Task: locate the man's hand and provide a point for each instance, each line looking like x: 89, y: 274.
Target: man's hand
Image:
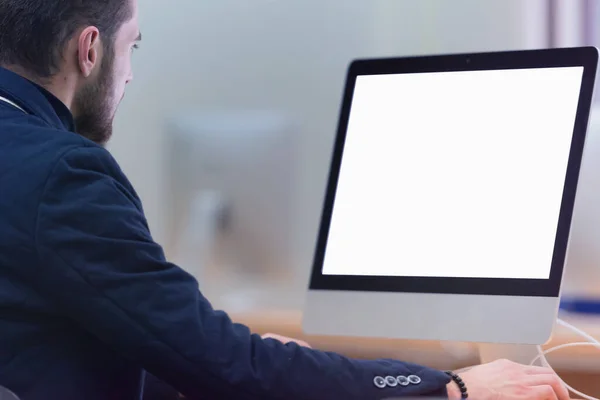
x: 284, y: 339
x: 506, y: 380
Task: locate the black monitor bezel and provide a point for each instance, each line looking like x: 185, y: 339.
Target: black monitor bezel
x: 586, y: 57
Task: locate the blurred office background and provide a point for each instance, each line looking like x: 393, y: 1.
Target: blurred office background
x: 228, y: 126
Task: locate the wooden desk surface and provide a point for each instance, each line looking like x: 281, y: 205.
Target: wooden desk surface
x: 579, y: 367
x: 274, y: 308
x: 433, y: 353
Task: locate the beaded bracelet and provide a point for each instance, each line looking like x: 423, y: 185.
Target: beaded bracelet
x: 461, y: 384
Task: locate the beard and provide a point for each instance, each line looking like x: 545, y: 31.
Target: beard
x: 94, y: 104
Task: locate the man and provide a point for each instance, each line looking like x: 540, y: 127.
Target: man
x: 88, y: 302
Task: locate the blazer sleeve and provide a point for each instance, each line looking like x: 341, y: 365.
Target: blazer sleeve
x: 101, y: 267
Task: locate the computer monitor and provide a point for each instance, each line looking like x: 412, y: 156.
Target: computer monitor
x: 450, y: 196
x: 232, y: 179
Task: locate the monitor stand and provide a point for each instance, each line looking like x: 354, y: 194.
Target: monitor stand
x: 522, y: 354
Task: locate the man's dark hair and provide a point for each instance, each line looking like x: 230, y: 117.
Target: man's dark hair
x: 34, y: 33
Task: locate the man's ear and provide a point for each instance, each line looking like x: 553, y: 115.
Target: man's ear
x: 88, y: 50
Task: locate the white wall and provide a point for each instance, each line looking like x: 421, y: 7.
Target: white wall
x: 289, y: 55
x: 441, y: 26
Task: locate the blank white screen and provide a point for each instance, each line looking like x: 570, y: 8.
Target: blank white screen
x: 453, y: 174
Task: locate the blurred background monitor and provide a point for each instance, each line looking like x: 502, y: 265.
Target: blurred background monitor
x: 232, y: 197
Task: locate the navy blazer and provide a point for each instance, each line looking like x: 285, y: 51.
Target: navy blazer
x: 88, y: 302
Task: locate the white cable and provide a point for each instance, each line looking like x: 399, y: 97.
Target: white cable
x: 563, y: 346
x: 591, y: 342
x: 577, y: 330
x: 571, y: 389
x: 542, y: 354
